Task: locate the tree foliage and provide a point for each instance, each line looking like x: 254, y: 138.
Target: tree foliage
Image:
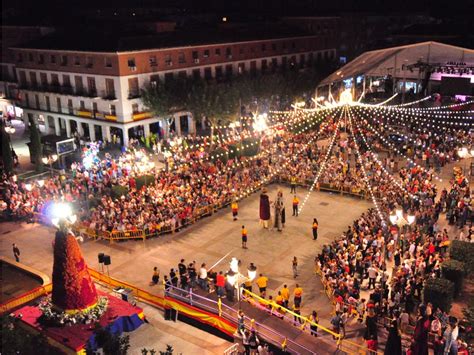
x: 6, y: 150
x: 439, y: 292
x: 463, y: 251
x: 36, y: 148
x: 111, y: 344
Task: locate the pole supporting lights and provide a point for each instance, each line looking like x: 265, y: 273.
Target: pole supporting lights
x: 50, y: 159
x: 235, y: 278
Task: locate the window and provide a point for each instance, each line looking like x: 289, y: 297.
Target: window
x: 40, y: 58
x: 208, y: 73
x: 228, y: 70
x: 82, y: 105
x: 274, y: 47
x: 264, y: 65
x: 77, y: 60
x: 91, y: 86
x: 252, y: 49
x: 95, y: 108
x: 293, y: 45
x: 135, y: 108
x: 219, y: 72
x: 27, y: 99
x: 168, y: 60
x: 218, y: 51
x: 197, y: 74
x: 133, y: 91
x: 153, y: 61
x: 48, y: 103
x: 22, y: 78
x: 66, y: 80
x: 37, y: 101
x: 108, y: 62
x: 79, y: 85
x: 20, y: 57
x: 89, y: 62
x: 58, y: 104
x: 30, y: 57
x: 206, y: 53
x: 195, y: 55
x: 182, y: 74
x: 131, y: 64
x: 274, y: 64
x: 241, y: 68
x: 112, y: 110
x: 181, y: 58
x: 169, y: 77
x: 33, y: 81
x: 44, y: 80
x: 64, y: 60
x: 241, y: 50
x: 283, y: 45
x: 52, y: 59
x: 264, y: 47
x: 154, y: 80
x: 109, y: 88
x: 69, y: 107
x: 228, y: 52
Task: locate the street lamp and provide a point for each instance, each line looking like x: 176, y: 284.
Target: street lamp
x: 399, y: 219
x: 235, y: 278
x: 50, y: 159
x: 62, y: 213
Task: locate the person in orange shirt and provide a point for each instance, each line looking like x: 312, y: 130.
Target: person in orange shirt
x: 315, y: 229
x: 235, y: 209
x: 262, y: 285
x: 285, y: 293
x: 244, y: 237
x: 296, y: 202
x: 298, y: 294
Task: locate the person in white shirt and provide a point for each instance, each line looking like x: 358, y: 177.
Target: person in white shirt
x: 372, y: 276
x: 203, y: 277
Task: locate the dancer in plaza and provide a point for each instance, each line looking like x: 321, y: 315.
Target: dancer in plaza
x: 315, y: 229
x: 235, y: 209
x: 244, y: 237
x: 293, y: 184
x: 295, y: 267
x: 278, y: 205
x: 16, y: 253
x: 264, y: 208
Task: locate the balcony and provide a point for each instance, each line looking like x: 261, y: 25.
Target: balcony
x: 52, y: 88
x: 86, y: 93
x: 108, y: 95
x: 133, y: 95
x: 137, y: 116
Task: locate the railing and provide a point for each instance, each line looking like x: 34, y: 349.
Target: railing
x: 141, y: 115
x: 25, y: 298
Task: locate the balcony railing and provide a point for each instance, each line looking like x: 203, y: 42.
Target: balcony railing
x: 133, y: 95
x: 108, y: 95
x: 141, y: 115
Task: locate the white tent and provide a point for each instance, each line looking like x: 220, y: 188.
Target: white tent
x: 399, y: 62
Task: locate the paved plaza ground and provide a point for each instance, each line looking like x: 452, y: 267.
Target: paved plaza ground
x: 208, y: 241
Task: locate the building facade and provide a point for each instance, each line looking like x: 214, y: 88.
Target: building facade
x: 98, y: 93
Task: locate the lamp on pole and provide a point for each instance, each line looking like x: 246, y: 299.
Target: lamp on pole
x: 50, y: 159
x: 464, y: 153
x: 235, y: 278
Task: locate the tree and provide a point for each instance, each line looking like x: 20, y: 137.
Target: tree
x: 111, y: 344
x: 36, y: 148
x: 6, y: 150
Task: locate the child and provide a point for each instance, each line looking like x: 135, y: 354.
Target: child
x: 244, y: 237
x: 235, y: 209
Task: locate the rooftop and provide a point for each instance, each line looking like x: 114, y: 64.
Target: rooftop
x: 114, y: 41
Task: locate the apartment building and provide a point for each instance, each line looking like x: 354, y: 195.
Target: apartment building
x: 93, y: 85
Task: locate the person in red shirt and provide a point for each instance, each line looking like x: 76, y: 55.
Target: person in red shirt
x: 220, y: 284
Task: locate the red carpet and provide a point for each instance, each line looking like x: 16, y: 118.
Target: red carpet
x: 120, y: 316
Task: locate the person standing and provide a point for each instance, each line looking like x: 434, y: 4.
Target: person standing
x: 16, y: 253
x: 156, y: 276
x: 278, y: 205
x: 296, y: 203
x: 293, y: 184
x: 264, y: 209
x: 394, y: 340
x: 313, y: 318
x: 298, y: 294
x: 315, y: 229
x: 262, y: 285
x: 295, y: 267
x: 203, y: 277
x: 235, y: 209
x: 220, y: 284
x: 285, y: 293
x: 182, y: 267
x: 372, y: 271
x: 420, y: 336
x: 244, y: 237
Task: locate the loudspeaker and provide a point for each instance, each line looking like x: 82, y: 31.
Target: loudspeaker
x: 106, y: 259
x: 101, y: 257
